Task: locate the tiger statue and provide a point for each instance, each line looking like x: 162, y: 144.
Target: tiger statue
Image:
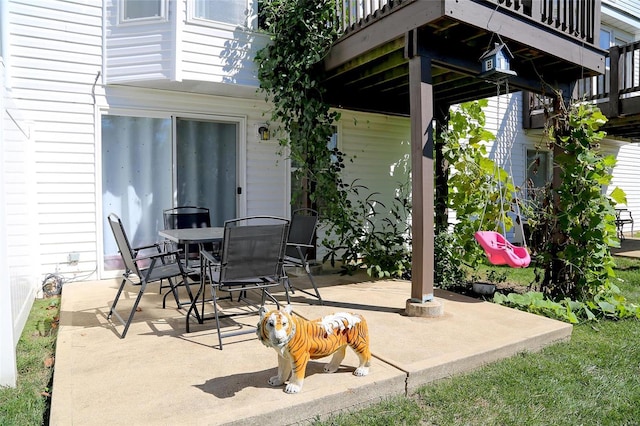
x: 297, y: 340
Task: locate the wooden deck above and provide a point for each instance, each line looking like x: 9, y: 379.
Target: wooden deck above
x: 553, y: 43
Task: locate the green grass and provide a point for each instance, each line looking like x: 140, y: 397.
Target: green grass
x: 28, y: 402
x: 594, y: 379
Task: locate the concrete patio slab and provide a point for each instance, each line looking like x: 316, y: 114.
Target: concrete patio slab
x: 160, y: 375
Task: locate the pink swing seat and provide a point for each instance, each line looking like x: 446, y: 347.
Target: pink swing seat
x: 499, y: 251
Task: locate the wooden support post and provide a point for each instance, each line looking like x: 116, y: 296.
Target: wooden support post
x: 421, y: 100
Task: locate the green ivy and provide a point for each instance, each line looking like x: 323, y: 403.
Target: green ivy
x: 291, y: 74
x: 578, y: 220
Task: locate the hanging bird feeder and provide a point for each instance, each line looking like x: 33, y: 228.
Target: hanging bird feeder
x: 496, y: 63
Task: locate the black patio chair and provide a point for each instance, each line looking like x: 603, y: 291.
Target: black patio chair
x: 251, y: 259
x: 304, y: 223
x: 188, y: 217
x: 182, y: 217
x: 141, y: 270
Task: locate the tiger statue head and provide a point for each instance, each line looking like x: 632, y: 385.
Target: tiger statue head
x: 276, y: 328
x: 297, y: 340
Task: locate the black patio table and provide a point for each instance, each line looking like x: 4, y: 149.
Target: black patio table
x: 199, y: 236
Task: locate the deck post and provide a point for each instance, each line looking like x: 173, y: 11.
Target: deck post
x: 422, y: 301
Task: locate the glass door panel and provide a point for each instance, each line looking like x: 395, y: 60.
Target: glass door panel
x: 206, y: 166
x: 136, y: 175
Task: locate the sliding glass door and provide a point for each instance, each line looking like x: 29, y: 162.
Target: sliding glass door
x: 152, y: 164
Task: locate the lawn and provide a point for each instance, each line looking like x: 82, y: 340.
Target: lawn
x: 28, y: 403
x: 592, y: 379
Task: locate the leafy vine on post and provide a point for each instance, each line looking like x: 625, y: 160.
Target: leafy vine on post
x: 577, y: 260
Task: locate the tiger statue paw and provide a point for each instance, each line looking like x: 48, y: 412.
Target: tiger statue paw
x: 275, y: 381
x: 291, y: 388
x: 297, y: 341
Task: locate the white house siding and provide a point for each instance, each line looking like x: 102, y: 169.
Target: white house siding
x: 625, y: 174
x: 219, y: 54
x: 56, y: 52
x: 18, y: 278
x: 180, y: 49
x: 378, y: 152
x: 138, y: 51
x: 623, y: 13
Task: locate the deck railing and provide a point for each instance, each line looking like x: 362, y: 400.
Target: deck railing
x: 575, y: 18
x: 621, y: 80
x: 620, y: 77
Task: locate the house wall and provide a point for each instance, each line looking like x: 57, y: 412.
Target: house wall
x: 625, y: 174
x: 138, y: 51
x: 266, y: 173
x: 219, y: 53
x: 58, y: 84
x: 179, y: 48
x: 56, y: 49
x: 18, y: 279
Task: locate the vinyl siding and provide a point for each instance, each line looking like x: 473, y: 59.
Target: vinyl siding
x: 625, y: 174
x: 138, y: 51
x: 378, y: 152
x: 56, y: 49
x: 18, y: 248
x: 219, y: 55
x: 179, y: 49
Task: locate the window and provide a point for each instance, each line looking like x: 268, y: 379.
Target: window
x: 538, y: 175
x: 150, y: 164
x: 141, y: 10
x: 299, y: 197
x: 234, y: 12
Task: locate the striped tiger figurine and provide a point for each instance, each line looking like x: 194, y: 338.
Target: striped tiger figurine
x: 297, y: 340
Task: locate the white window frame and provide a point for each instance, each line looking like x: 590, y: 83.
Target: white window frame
x: 164, y: 16
x: 250, y: 24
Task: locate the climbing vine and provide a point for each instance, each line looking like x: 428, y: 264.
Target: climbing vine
x: 577, y: 222
x: 290, y: 73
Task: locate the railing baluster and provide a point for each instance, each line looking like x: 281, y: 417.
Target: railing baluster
x: 571, y: 17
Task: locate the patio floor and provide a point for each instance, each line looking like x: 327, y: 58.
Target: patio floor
x: 161, y: 375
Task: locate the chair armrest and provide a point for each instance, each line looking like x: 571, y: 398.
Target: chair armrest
x: 300, y: 245
x: 158, y: 255
x: 154, y: 245
x: 136, y: 250
x: 209, y: 257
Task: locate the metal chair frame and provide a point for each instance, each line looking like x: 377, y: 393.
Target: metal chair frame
x: 251, y: 258
x: 162, y: 266
x: 182, y: 217
x: 304, y: 223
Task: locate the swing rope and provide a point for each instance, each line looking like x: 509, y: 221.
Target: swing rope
x: 496, y: 173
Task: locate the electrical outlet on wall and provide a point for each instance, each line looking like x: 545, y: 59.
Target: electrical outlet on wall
x: 73, y: 258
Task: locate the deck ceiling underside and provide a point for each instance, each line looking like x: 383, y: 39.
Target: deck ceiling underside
x: 378, y: 80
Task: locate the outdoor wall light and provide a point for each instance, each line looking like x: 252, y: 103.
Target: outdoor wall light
x: 263, y: 132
